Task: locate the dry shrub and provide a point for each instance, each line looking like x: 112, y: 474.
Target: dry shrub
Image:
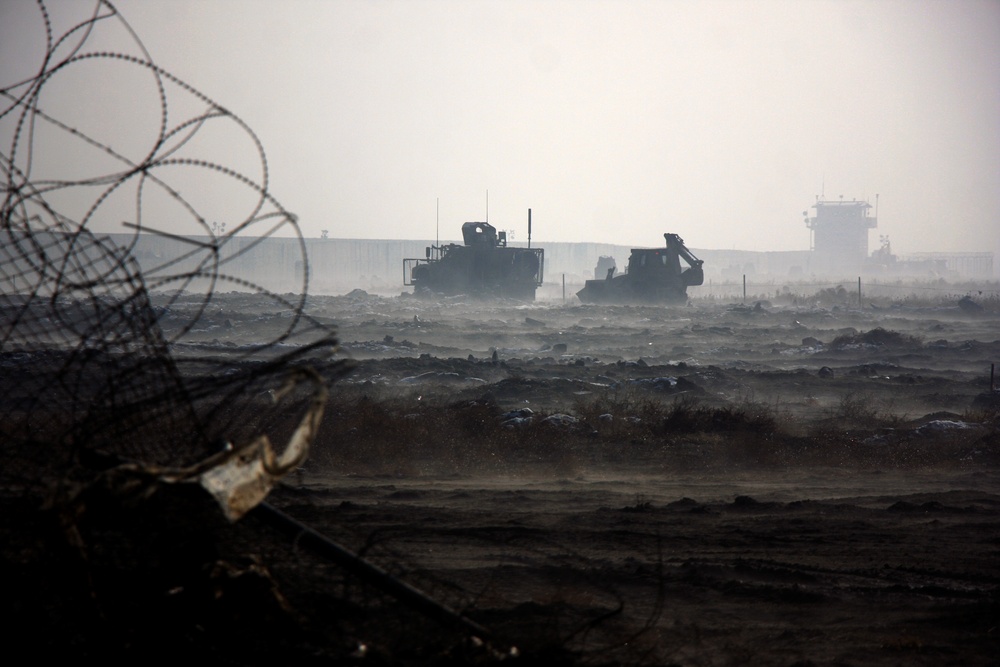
x: 631, y: 412
x: 905, y: 450
x: 863, y: 432
x: 832, y: 296
x: 859, y: 411
x: 685, y: 432
x: 877, y: 337
x: 747, y: 416
x: 402, y: 437
x: 395, y: 436
x: 987, y: 415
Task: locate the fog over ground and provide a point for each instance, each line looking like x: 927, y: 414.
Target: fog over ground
x: 612, y: 121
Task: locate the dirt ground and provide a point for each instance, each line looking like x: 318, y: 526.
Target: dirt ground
x: 800, y: 483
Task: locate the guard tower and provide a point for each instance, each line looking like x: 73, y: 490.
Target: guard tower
x: 839, y: 234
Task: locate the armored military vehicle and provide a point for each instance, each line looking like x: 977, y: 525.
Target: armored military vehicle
x: 484, y: 267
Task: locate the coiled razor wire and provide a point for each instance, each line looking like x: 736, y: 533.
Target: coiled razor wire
x: 89, y: 340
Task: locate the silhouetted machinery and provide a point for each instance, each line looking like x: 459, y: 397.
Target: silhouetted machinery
x: 485, y: 267
x: 653, y: 275
x: 605, y: 263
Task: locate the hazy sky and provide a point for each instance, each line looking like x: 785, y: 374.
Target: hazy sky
x: 613, y: 121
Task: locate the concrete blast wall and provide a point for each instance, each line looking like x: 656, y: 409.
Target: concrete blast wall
x: 337, y: 266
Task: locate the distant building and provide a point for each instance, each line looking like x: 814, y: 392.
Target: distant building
x: 839, y: 235
x: 966, y: 264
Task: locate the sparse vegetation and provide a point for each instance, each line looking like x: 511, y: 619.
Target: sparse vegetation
x: 877, y: 337
x: 863, y: 411
x: 392, y: 436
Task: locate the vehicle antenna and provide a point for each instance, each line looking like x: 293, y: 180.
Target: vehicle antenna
x: 437, y: 222
x: 529, y: 227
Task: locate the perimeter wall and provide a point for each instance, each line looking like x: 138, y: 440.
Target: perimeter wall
x: 337, y: 266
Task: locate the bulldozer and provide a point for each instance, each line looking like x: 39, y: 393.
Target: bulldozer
x: 653, y: 276
x: 484, y: 267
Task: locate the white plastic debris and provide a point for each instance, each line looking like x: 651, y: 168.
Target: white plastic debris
x: 241, y: 478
